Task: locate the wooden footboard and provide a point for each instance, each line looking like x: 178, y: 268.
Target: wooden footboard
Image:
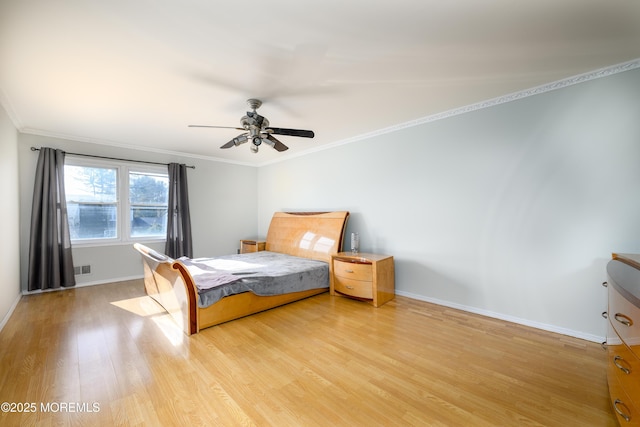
x: 309, y: 235
x: 169, y: 283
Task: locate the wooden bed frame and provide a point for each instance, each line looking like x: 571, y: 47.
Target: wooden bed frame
x: 314, y: 235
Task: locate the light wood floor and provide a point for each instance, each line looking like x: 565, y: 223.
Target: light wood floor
x: 324, y: 361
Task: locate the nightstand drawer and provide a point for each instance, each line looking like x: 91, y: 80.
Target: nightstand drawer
x: 354, y: 288
x: 352, y: 270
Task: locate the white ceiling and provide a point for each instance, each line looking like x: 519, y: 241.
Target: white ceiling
x: 136, y: 73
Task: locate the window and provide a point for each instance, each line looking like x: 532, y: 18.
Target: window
x: 103, y: 207
x: 148, y: 194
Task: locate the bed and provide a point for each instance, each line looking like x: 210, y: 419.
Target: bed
x: 308, y: 238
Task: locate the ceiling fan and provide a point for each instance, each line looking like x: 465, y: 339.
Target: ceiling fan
x: 258, y: 131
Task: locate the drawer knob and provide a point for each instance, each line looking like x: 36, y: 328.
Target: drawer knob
x: 605, y: 284
x: 349, y: 287
x: 348, y: 271
x: 605, y: 314
x: 624, y: 369
x: 625, y: 320
x: 617, y: 404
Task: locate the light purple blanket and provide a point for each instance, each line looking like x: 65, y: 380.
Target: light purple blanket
x: 263, y: 273
x: 210, y: 272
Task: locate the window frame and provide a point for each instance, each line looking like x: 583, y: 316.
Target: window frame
x: 123, y: 205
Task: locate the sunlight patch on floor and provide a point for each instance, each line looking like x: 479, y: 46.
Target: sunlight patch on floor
x: 147, y: 307
x: 169, y: 328
x: 142, y: 306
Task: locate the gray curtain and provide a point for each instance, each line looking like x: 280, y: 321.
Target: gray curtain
x: 178, y: 219
x: 50, y: 260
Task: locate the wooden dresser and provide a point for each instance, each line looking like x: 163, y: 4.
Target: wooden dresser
x: 623, y: 337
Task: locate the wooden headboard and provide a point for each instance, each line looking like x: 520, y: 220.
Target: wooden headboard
x: 314, y: 235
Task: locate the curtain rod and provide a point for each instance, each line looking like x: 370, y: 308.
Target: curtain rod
x: 114, y: 158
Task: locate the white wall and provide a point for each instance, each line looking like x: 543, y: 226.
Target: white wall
x: 510, y: 211
x: 222, y: 196
x: 9, y: 218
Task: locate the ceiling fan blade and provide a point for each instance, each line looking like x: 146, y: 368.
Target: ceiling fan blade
x: 240, y: 139
x: 217, y: 127
x: 291, y: 132
x: 228, y: 144
x: 277, y: 144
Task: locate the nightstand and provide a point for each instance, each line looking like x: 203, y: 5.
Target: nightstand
x: 367, y: 277
x: 250, y: 245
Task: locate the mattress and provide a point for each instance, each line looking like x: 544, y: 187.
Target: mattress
x: 263, y: 273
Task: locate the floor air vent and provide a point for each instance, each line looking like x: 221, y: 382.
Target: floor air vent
x: 79, y: 270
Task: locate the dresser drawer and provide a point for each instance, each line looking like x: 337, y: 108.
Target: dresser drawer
x: 623, y: 364
x: 626, y: 412
x: 354, y: 288
x: 353, y: 270
x: 625, y: 318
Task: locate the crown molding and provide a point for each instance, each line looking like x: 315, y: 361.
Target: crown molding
x: 548, y: 87
x: 107, y: 143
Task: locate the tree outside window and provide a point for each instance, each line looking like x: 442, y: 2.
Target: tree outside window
x: 148, y: 194
x: 98, y: 200
x: 92, y: 201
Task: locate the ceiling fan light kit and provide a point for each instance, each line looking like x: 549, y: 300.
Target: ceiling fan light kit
x: 258, y: 131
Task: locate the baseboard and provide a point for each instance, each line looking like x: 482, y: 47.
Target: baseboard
x: 10, y: 312
x: 488, y: 313
x: 104, y: 282
x: 507, y: 318
x: 82, y: 285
